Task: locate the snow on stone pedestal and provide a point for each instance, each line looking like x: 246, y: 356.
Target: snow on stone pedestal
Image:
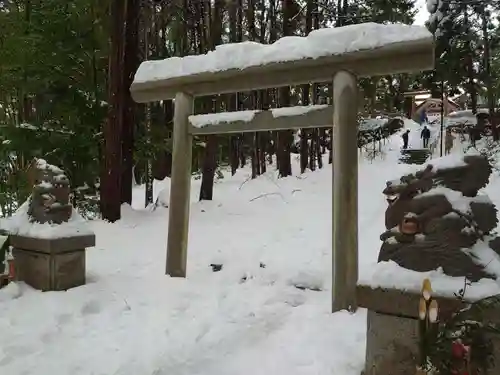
x: 48, y: 236
x: 438, y: 227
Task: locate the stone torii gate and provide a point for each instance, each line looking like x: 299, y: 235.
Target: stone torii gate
x: 340, y: 55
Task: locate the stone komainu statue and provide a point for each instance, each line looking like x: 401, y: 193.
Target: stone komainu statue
x: 49, y: 202
x: 435, y: 216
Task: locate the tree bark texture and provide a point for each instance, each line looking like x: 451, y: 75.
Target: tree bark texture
x: 111, y: 178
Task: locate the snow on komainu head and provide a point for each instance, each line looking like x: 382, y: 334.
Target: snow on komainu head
x: 47, y: 213
x: 49, y: 202
x: 436, y: 219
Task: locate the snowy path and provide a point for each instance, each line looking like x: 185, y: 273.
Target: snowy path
x: 415, y: 141
x: 131, y: 319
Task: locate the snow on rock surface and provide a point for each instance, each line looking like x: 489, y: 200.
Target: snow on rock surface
x: 42, y: 164
x: 458, y: 201
x: 266, y: 312
x: 20, y: 224
x: 448, y: 161
x: 487, y: 257
x: 319, y: 43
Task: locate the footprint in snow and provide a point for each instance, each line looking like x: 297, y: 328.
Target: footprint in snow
x: 63, y: 319
x: 91, y: 307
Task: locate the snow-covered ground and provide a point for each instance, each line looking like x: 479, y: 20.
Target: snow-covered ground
x: 273, y: 237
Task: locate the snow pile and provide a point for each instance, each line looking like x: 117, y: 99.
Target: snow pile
x: 20, y: 224
x: 465, y: 117
x: 449, y: 161
x: 458, y: 201
x: 42, y: 164
x: 163, y: 198
x: 390, y: 275
x: 367, y: 124
x: 319, y: 43
x: 486, y: 257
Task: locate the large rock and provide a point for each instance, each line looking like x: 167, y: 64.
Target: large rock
x: 436, y: 214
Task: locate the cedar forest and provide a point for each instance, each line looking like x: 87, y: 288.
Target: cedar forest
x: 66, y: 68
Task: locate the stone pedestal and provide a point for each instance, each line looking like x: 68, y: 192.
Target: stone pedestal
x: 392, y: 329
x: 51, y: 264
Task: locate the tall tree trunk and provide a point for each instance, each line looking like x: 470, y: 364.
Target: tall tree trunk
x: 285, y: 136
x: 148, y: 168
x: 304, y: 146
x: 210, y: 159
x: 242, y: 150
x: 315, y: 152
x: 256, y: 152
x: 489, y: 83
x: 233, y: 140
x: 256, y: 102
x: 284, y: 139
x: 162, y: 162
x: 318, y: 135
x: 208, y: 169
x: 340, y: 14
x: 25, y: 111
x: 233, y: 98
x: 111, y: 178
x: 263, y: 136
x: 131, y: 63
x: 304, y: 134
x: 470, y: 64
x: 148, y: 194
x: 264, y: 95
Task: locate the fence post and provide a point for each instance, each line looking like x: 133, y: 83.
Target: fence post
x: 180, y: 188
x: 345, y: 192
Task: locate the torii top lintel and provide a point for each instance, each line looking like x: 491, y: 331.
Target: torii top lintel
x: 366, y: 50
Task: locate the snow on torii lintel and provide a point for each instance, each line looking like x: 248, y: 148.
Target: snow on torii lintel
x: 319, y: 43
x: 201, y: 121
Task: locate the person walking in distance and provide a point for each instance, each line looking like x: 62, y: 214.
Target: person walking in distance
x: 405, y: 136
x: 425, y: 135
x: 448, y: 142
x: 423, y: 117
